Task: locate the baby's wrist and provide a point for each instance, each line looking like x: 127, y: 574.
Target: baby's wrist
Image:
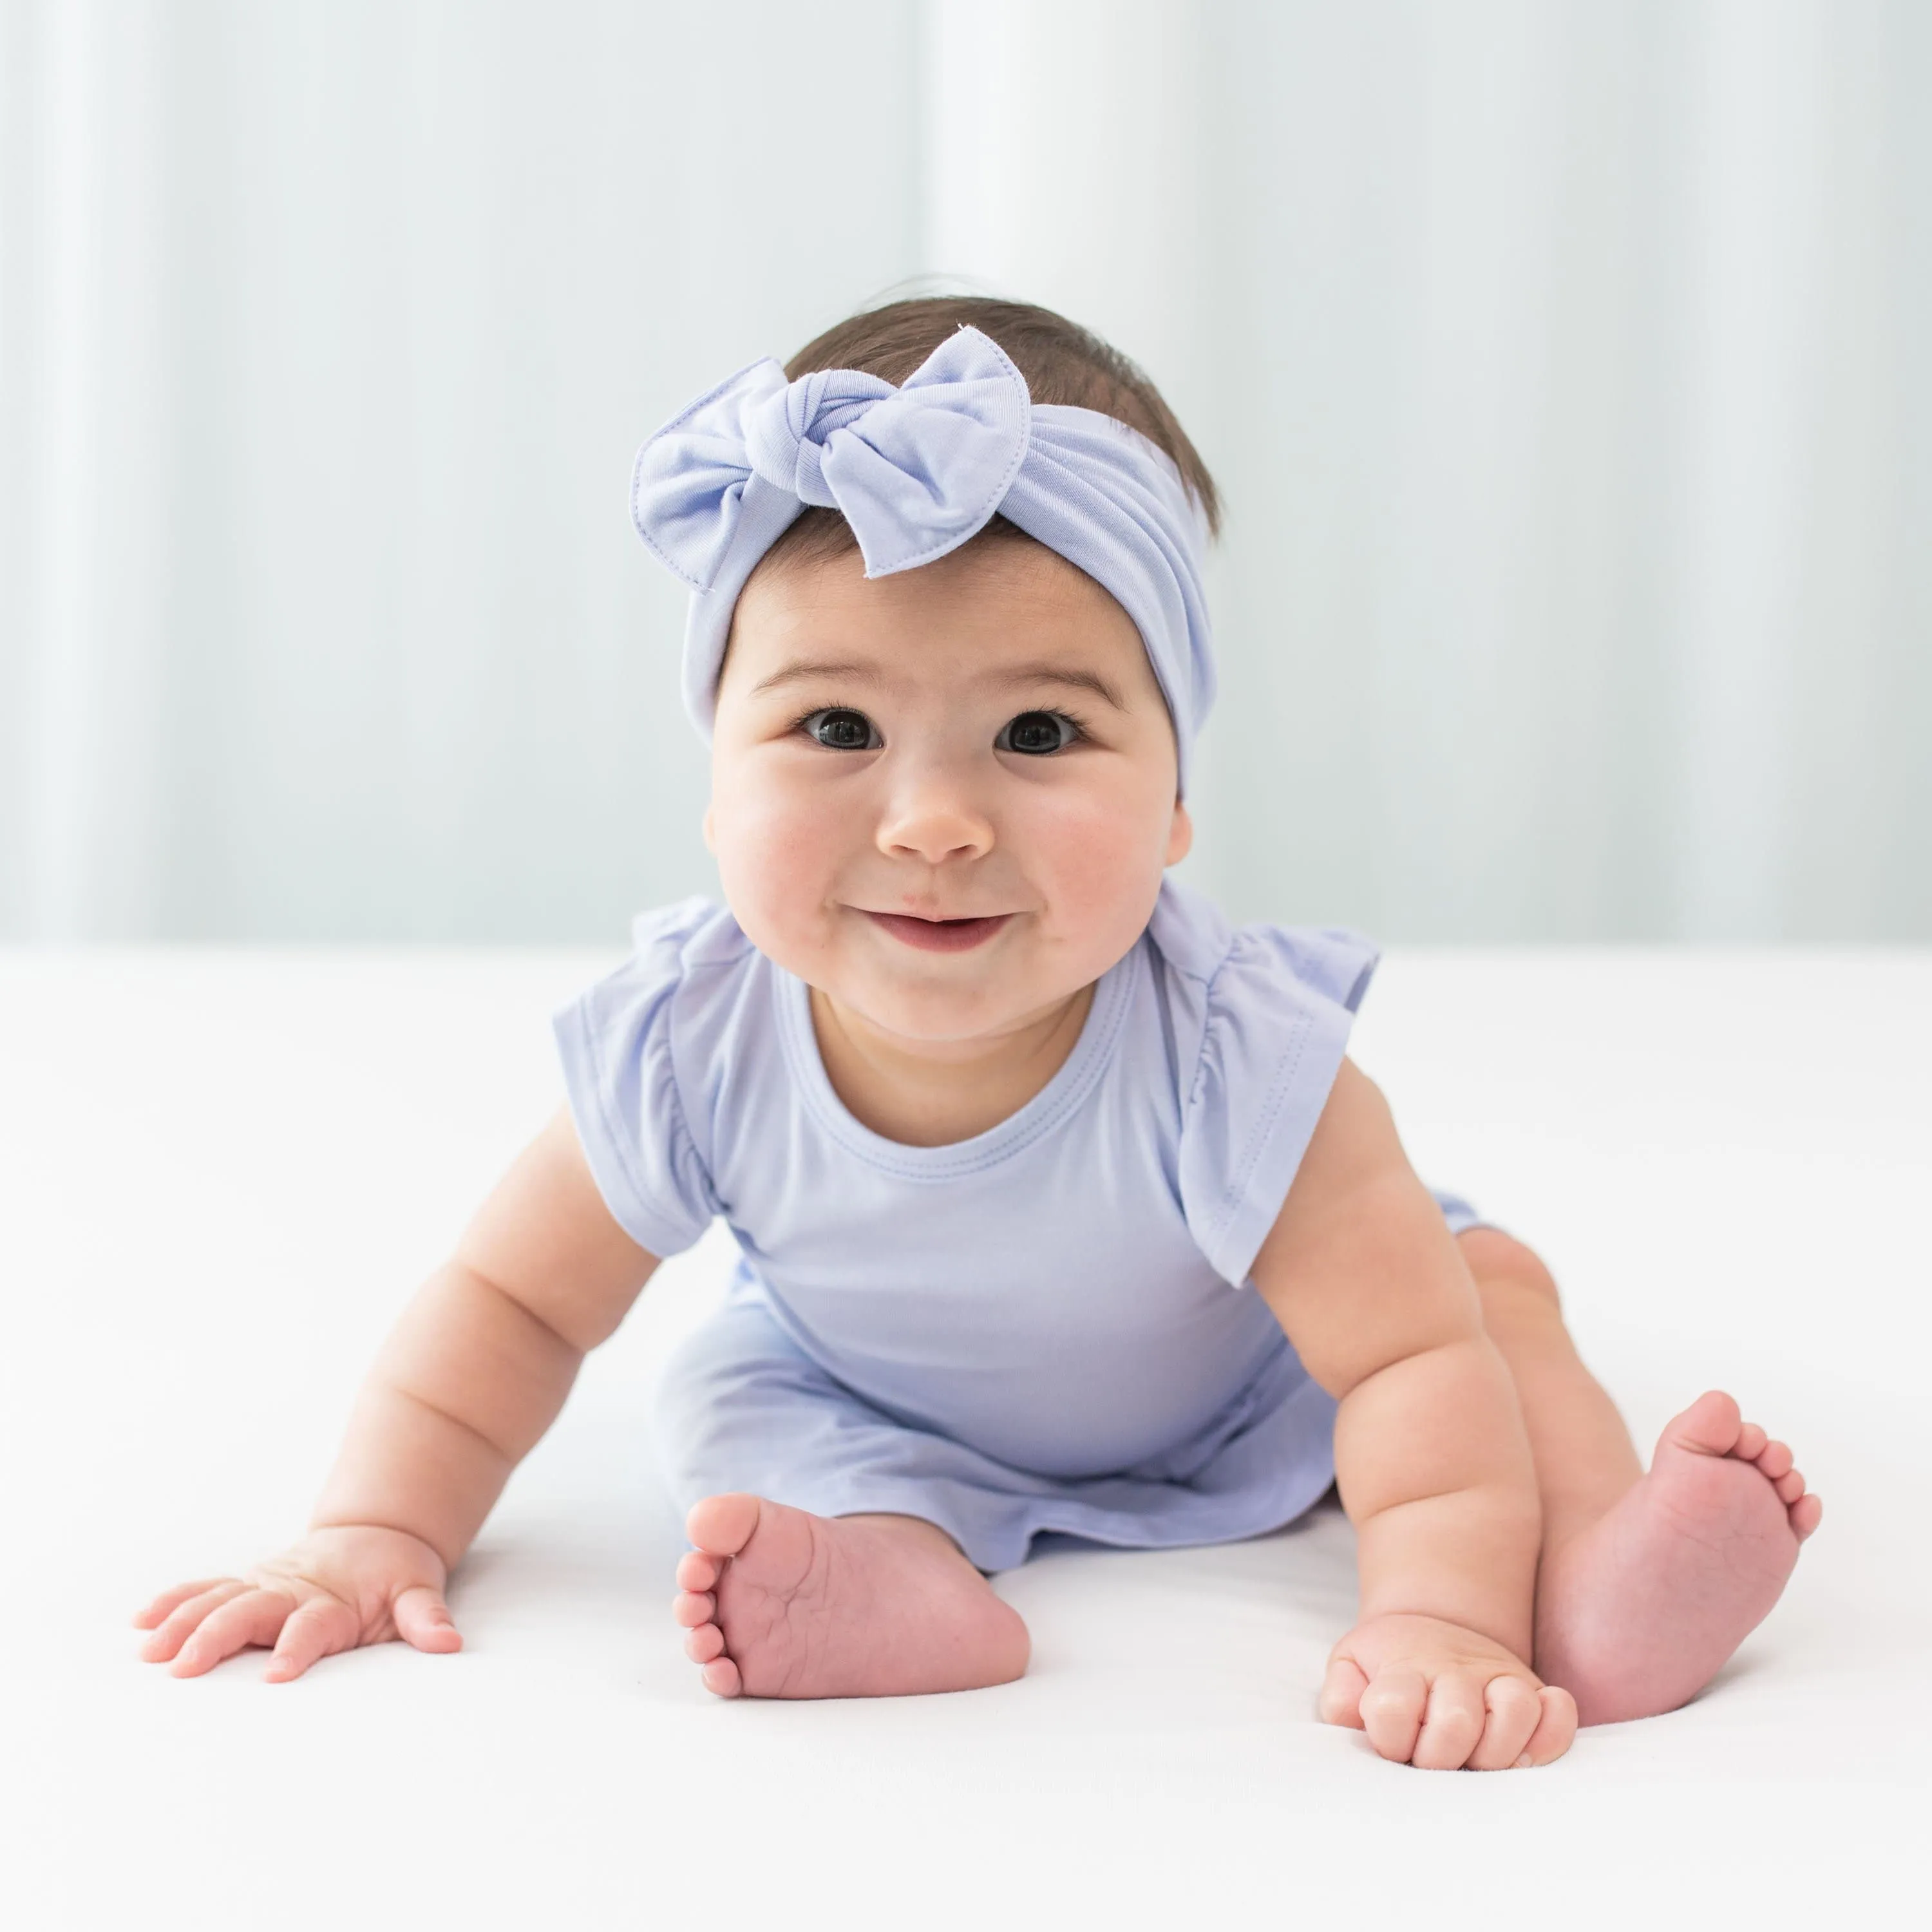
x: 1447, y: 1621
x: 1467, y: 1558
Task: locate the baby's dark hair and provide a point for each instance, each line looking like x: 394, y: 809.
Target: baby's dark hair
x: 1062, y: 362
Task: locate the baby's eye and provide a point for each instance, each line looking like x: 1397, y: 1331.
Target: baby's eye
x: 1037, y: 732
x: 841, y: 730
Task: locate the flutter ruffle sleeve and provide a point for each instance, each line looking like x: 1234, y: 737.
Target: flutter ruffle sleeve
x: 1263, y: 1015
x: 616, y: 1044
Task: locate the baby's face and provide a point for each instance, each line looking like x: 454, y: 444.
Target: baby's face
x: 979, y: 740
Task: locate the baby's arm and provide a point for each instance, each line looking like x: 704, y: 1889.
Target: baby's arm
x: 473, y: 1373
x: 1431, y: 1455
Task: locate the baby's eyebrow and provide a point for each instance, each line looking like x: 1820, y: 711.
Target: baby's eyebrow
x: 1082, y: 680
x: 797, y: 673
x: 866, y: 674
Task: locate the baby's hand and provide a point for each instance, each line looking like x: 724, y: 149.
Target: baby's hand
x: 333, y: 1590
x: 1439, y: 1697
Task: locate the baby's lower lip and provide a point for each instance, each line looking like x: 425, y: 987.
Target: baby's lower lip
x: 943, y: 935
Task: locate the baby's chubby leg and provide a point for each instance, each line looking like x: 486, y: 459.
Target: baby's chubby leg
x: 780, y: 1603
x: 1648, y: 1582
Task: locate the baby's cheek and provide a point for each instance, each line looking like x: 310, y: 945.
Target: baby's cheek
x: 772, y: 857
x: 1106, y: 862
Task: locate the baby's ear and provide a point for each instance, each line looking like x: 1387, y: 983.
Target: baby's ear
x: 1180, y: 836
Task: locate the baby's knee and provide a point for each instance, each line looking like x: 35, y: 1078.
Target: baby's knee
x: 1502, y: 1265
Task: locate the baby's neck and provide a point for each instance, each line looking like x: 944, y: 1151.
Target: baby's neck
x: 929, y: 1099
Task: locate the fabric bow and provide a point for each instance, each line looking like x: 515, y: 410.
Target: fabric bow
x: 916, y: 470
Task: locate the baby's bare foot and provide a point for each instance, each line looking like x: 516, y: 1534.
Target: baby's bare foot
x: 782, y: 1603
x: 1636, y: 1614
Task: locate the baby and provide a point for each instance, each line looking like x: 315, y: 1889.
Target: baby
x: 1060, y: 1208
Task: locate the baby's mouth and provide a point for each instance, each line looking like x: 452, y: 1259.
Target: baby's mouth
x: 940, y: 935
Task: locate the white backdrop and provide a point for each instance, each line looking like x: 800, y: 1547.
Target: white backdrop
x: 1564, y: 364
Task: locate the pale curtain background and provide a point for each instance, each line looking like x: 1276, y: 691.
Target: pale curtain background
x: 1567, y: 364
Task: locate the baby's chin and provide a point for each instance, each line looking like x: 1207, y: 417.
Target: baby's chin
x: 938, y: 1019
x: 927, y: 1000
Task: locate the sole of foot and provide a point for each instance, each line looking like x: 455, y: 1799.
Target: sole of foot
x: 1639, y: 1612
x: 779, y: 1602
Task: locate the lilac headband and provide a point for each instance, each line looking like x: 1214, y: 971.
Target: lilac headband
x: 916, y: 470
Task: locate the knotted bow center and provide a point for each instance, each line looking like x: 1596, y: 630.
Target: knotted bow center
x: 785, y: 434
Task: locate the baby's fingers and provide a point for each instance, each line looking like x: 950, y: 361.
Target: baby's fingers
x: 184, y: 1617
x: 1456, y: 1716
x: 254, y: 1617
x: 322, y: 1626
x: 422, y: 1618
x: 1342, y: 1690
x: 169, y: 1600
x: 1556, y: 1730
x: 1514, y: 1712
x: 1392, y: 1708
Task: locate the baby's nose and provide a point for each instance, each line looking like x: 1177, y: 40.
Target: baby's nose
x: 933, y: 814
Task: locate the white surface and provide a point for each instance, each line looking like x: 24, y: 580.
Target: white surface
x: 221, y: 1173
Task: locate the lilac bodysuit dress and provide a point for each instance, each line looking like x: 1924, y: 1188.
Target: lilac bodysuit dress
x: 1048, y: 1327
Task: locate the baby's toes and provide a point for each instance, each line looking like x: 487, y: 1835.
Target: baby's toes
x: 1749, y: 1445
x: 1772, y: 1460
x: 697, y: 1571
x: 1806, y: 1513
x: 690, y: 1608
x: 722, y: 1678
x: 704, y: 1644
x: 1790, y: 1486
